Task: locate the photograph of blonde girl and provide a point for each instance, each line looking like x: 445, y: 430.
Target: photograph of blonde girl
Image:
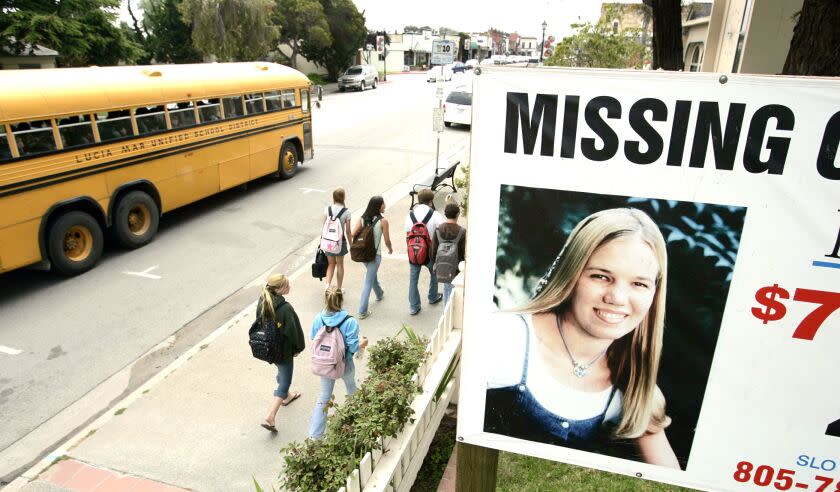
x: 592, y: 339
x: 585, y: 333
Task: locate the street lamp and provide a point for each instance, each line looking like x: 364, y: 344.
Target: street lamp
x: 542, y: 45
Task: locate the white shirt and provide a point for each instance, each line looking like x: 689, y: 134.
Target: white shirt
x: 420, y: 212
x: 505, y: 369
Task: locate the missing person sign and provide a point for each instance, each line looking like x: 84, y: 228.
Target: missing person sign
x: 664, y: 300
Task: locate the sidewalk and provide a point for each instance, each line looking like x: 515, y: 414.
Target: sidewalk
x: 195, y: 426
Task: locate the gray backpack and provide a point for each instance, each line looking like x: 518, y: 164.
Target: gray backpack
x: 446, y: 258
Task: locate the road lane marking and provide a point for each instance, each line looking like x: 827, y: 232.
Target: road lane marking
x: 9, y: 350
x: 307, y: 191
x: 145, y: 273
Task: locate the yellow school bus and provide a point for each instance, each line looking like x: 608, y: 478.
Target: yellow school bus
x: 85, y: 151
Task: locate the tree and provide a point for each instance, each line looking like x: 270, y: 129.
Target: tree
x: 347, y: 28
x: 667, y: 34
x: 82, y: 31
x: 168, y: 39
x: 303, y: 27
x: 813, y: 48
x: 232, y: 30
x: 598, y: 45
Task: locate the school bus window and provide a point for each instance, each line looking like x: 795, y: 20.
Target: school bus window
x: 304, y: 100
x: 150, y: 119
x: 5, y: 148
x: 233, y: 107
x: 181, y: 114
x: 114, y: 125
x: 75, y: 131
x: 209, y: 110
x: 254, y: 103
x: 33, y: 137
x: 272, y: 101
x: 288, y: 97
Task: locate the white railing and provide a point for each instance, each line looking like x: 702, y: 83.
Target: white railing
x: 395, y: 469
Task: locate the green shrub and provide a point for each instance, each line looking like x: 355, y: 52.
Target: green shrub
x: 316, y: 78
x: 379, y: 408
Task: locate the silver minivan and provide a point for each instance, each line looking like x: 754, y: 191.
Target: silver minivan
x: 358, y: 77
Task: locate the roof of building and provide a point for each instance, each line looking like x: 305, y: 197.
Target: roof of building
x: 28, y: 49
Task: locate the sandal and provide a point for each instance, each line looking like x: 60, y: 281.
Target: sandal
x: 265, y: 425
x: 292, y: 397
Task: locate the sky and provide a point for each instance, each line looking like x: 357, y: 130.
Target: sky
x: 522, y: 16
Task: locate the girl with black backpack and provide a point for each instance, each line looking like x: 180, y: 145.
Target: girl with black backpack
x: 272, y: 303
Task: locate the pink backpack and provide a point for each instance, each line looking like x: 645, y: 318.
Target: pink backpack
x: 328, y: 351
x: 333, y: 233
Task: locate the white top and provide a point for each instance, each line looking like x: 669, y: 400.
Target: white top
x: 420, y: 211
x: 506, y: 370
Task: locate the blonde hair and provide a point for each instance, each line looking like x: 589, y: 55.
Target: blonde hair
x: 634, y: 358
x: 338, y: 195
x: 275, y: 284
x: 333, y: 298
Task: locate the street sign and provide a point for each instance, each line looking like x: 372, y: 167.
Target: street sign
x: 437, y: 120
x: 439, y: 91
x: 443, y: 51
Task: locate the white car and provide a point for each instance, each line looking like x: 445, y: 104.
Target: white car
x: 472, y: 63
x: 439, y: 72
x: 458, y: 107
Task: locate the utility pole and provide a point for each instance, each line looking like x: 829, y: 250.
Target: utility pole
x: 542, y: 45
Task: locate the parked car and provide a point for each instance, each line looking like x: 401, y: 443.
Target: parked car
x: 459, y: 67
x: 458, y: 107
x: 358, y: 77
x: 439, y: 72
x: 471, y: 64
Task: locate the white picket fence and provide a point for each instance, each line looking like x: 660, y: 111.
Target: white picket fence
x: 395, y: 469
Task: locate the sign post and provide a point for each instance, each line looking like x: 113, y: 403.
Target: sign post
x: 443, y: 51
x: 437, y: 122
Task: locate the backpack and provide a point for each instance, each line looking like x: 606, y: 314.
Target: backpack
x: 418, y: 241
x: 446, y: 258
x: 265, y: 338
x: 328, y: 351
x: 319, y: 266
x: 332, y: 234
x: 363, y: 248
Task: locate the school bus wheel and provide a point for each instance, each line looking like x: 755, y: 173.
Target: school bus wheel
x: 136, y: 220
x: 288, y: 160
x: 74, y: 243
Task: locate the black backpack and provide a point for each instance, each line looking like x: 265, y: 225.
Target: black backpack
x: 319, y: 266
x: 265, y: 337
x: 363, y: 248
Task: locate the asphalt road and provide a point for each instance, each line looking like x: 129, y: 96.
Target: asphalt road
x: 68, y: 347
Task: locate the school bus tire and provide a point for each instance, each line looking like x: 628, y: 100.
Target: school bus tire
x: 74, y: 243
x: 288, y: 160
x: 136, y: 220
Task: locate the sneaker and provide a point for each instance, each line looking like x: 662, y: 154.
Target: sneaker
x: 363, y: 315
x: 379, y: 299
x: 414, y: 311
x: 436, y: 299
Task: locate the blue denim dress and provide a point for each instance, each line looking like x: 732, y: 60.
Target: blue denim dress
x: 513, y: 411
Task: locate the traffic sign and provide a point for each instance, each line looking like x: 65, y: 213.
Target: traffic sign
x: 443, y: 51
x: 437, y: 120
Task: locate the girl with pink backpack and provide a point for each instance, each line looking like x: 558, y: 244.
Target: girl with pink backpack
x: 332, y: 318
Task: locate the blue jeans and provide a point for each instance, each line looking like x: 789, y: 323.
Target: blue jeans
x: 319, y: 417
x: 447, y: 292
x: 284, y: 378
x: 413, y: 292
x: 371, y: 282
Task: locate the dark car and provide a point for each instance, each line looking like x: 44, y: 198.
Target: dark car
x: 459, y: 67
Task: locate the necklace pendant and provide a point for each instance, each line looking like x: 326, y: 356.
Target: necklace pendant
x: 580, y: 370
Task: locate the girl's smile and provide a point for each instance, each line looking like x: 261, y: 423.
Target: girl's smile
x: 615, y: 289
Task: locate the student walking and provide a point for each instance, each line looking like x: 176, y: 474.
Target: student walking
x: 272, y: 303
x: 448, y: 248
x: 334, y: 316
x: 420, y: 226
x: 373, y: 217
x: 339, y: 212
